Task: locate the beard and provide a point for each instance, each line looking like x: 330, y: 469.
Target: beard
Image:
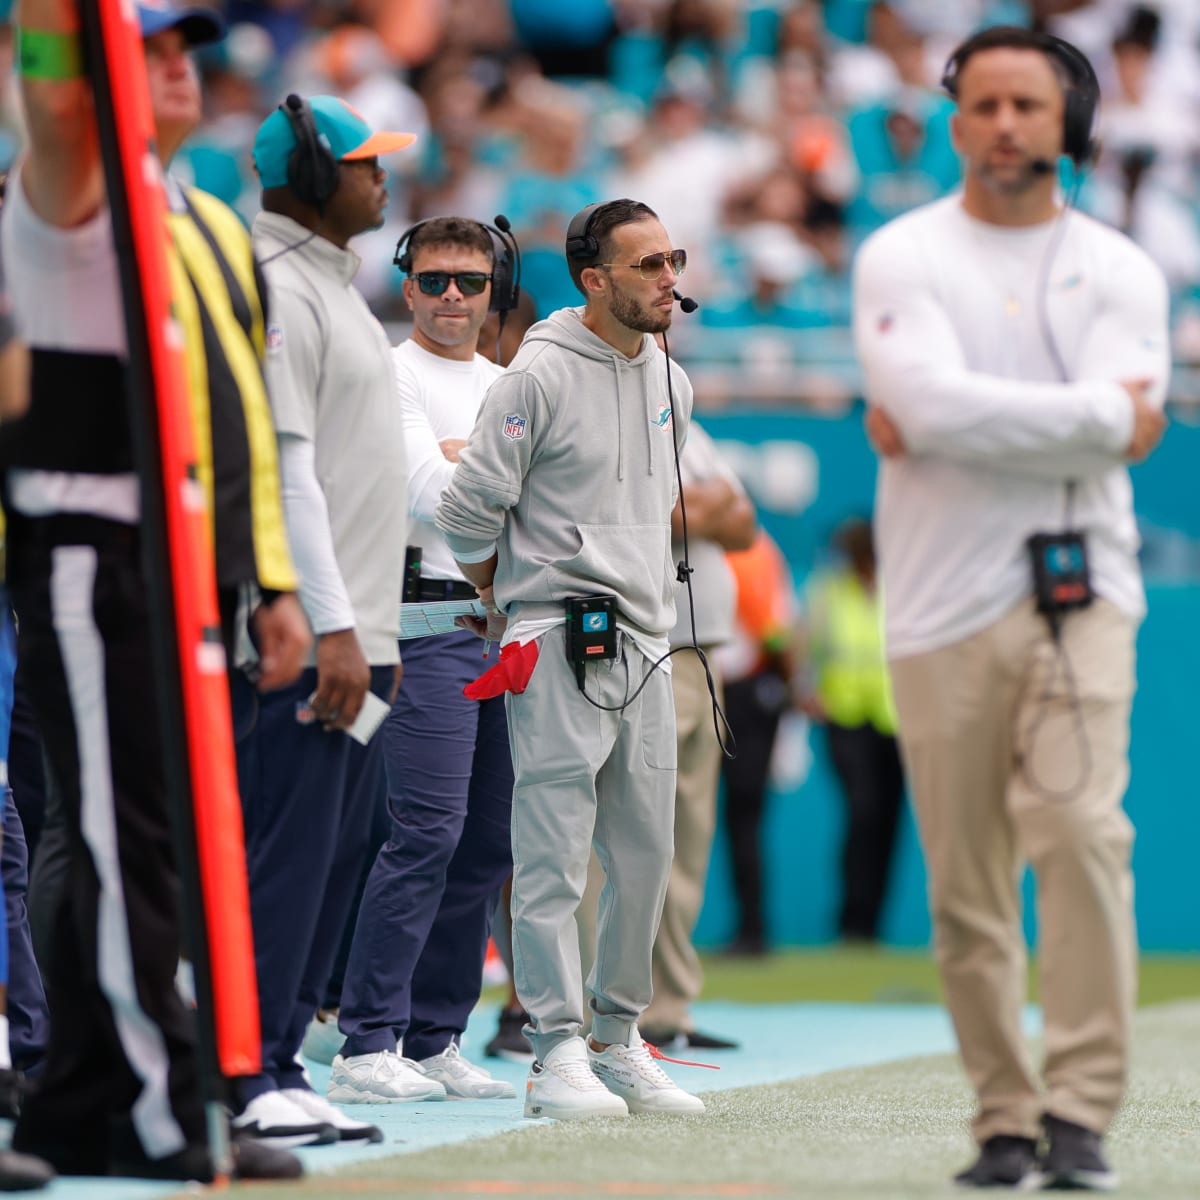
x: 1015, y: 184
x: 637, y: 316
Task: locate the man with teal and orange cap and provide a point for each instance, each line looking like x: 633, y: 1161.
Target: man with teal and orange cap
x: 309, y: 790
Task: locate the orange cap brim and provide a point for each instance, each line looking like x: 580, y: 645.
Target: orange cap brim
x: 379, y: 144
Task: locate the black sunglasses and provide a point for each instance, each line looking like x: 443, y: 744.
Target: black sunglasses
x: 434, y: 283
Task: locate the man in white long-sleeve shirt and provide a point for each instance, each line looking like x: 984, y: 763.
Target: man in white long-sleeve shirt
x: 416, y: 962
x: 1016, y: 359
x: 308, y: 791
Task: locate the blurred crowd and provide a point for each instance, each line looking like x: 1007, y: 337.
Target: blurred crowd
x: 770, y: 135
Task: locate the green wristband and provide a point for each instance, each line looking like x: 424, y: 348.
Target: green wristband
x: 42, y: 54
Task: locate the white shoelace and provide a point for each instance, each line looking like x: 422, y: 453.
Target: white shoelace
x: 577, y: 1072
x: 452, y: 1061
x: 389, y: 1066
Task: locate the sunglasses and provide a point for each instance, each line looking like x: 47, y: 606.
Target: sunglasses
x: 651, y: 266
x: 434, y: 283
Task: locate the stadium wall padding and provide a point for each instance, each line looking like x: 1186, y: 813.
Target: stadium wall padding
x: 806, y: 473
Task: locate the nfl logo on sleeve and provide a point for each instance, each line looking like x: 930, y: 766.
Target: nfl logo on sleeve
x: 514, y: 426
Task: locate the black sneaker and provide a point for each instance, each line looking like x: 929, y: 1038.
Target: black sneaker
x: 253, y: 1159
x: 686, y: 1039
x: 12, y: 1087
x: 1004, y: 1162
x: 510, y: 1041
x: 1075, y: 1158
x: 23, y: 1172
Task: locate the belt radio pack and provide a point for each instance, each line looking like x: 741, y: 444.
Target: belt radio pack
x: 412, y: 574
x: 591, y: 630
x: 1061, y: 578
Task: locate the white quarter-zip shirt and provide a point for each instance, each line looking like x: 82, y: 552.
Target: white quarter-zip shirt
x: 966, y: 332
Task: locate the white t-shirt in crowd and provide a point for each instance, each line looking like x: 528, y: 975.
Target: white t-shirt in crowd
x: 965, y: 331
x: 439, y: 399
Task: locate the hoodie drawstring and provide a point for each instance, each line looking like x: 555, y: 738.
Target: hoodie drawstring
x: 645, y: 374
x: 618, y: 372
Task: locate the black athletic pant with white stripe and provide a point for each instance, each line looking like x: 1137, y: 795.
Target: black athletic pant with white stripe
x: 120, y: 1079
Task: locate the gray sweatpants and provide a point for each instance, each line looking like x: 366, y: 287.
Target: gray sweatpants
x: 584, y: 774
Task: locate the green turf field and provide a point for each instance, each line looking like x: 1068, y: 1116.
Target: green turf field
x: 891, y: 976
x: 896, y: 1131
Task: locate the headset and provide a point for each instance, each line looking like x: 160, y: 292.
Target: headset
x: 1081, y: 97
x: 312, y: 171
x: 506, y: 262
x: 581, y: 242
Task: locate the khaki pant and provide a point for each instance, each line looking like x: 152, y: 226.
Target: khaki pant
x: 678, y: 976
x: 1013, y: 759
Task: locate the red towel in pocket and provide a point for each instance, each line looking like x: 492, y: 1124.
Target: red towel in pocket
x: 510, y: 674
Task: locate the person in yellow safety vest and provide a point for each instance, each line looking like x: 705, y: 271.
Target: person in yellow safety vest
x: 850, y: 694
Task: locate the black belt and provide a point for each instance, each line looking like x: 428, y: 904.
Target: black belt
x: 445, y: 589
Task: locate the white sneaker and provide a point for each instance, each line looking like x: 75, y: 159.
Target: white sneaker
x: 565, y: 1087
x: 462, y: 1079
x: 273, y: 1118
x: 631, y: 1073
x: 382, y: 1078
x: 323, y: 1040
x: 317, y: 1107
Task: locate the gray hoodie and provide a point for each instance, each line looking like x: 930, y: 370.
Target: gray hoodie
x: 570, y: 474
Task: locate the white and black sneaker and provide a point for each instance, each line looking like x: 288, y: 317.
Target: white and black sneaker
x: 1005, y: 1161
x: 565, y: 1087
x: 272, y: 1117
x: 1074, y: 1159
x: 319, y: 1109
x: 632, y: 1073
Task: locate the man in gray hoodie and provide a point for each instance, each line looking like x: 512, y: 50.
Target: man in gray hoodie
x: 565, y: 489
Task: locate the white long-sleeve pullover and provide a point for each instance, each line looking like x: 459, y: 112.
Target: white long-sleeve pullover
x: 439, y: 399
x: 965, y: 331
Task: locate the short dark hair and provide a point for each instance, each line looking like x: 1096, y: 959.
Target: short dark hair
x: 1004, y: 37
x: 449, y: 231
x: 855, y: 538
x: 604, y: 220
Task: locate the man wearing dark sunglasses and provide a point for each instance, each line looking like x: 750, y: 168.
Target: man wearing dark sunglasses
x: 565, y: 489
x: 435, y: 283
x: 416, y: 962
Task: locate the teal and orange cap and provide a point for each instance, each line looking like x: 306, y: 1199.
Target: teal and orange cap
x: 342, y: 130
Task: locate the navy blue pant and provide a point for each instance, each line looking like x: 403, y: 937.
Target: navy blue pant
x: 416, y: 963
x: 26, y: 770
x: 307, y: 797
x: 28, y: 1017
x: 28, y: 1024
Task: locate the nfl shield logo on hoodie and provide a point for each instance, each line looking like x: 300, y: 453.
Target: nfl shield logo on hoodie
x: 514, y: 426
